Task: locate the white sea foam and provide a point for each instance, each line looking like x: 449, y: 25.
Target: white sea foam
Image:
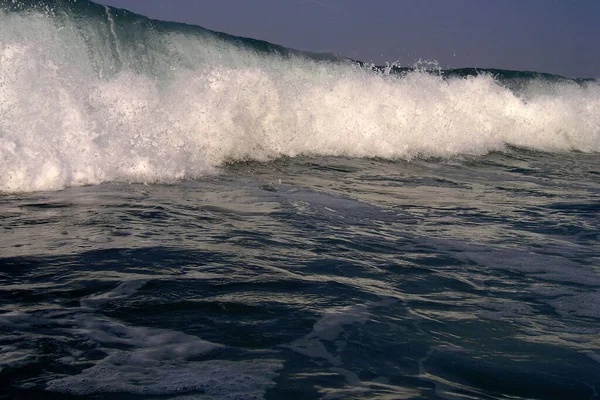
x: 158, y: 362
x: 139, y: 360
x: 213, y: 379
x: 75, y: 111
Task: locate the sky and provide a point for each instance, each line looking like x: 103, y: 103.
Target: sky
x: 555, y: 36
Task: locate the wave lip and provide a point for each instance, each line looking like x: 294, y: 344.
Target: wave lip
x: 90, y: 94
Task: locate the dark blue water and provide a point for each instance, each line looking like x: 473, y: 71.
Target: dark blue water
x: 186, y: 214
x: 310, y: 278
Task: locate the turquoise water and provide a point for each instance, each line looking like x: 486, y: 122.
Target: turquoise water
x: 189, y: 215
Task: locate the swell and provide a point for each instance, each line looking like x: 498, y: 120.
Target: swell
x: 90, y: 94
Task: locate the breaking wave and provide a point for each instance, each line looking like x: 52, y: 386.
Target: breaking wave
x: 91, y: 94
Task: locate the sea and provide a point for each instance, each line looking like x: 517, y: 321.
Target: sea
x: 186, y: 214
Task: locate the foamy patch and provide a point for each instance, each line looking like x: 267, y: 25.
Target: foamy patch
x: 214, y: 379
x: 142, y: 361
x: 138, y: 360
x: 328, y: 329
x: 506, y: 310
x: 155, y: 344
x: 585, y: 304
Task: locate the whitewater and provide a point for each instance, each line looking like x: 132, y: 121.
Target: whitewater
x: 116, y: 97
x: 186, y: 214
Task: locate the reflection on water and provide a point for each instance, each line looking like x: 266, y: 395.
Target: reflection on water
x: 307, y: 278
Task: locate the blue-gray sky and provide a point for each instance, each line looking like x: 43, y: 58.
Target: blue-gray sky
x: 555, y: 36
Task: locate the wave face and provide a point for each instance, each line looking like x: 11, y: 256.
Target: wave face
x: 90, y: 94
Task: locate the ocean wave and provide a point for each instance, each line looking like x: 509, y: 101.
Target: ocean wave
x: 90, y: 94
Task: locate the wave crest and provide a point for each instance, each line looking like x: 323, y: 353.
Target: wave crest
x: 98, y: 98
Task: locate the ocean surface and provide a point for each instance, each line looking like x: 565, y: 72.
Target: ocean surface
x: 186, y: 214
